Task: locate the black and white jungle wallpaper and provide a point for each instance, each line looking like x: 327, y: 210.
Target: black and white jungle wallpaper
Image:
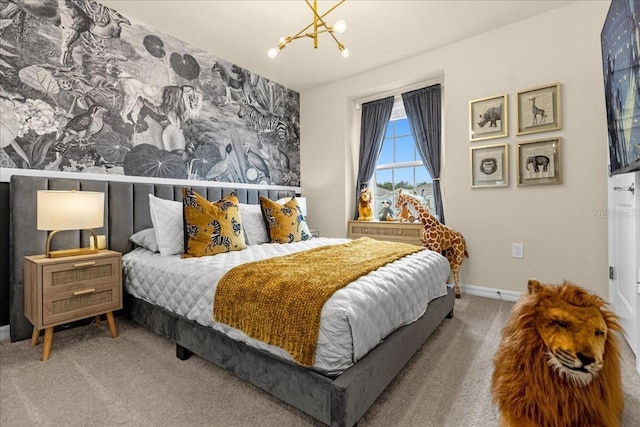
x: 84, y: 89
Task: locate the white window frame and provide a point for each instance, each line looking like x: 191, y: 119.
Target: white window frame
x: 397, y: 113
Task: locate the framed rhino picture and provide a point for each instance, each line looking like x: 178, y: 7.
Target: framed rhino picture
x: 490, y: 166
x: 538, y: 109
x: 488, y: 118
x: 539, y: 162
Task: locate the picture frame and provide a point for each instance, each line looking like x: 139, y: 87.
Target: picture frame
x: 539, y: 162
x: 488, y: 118
x: 490, y: 166
x: 539, y: 109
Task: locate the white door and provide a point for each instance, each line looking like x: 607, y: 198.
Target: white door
x: 624, y: 250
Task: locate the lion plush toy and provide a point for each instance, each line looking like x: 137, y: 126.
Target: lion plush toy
x: 558, y: 364
x: 365, y: 212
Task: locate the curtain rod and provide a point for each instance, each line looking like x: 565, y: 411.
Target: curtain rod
x: 398, y: 91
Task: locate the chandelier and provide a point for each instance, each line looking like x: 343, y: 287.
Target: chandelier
x: 319, y: 26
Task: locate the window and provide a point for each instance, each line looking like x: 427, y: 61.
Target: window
x: 399, y: 165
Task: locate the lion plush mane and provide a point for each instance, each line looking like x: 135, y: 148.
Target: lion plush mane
x: 365, y: 212
x: 558, y: 364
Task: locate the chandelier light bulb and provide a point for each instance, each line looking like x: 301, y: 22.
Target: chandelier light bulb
x: 319, y: 26
x: 340, y: 26
x: 272, y: 53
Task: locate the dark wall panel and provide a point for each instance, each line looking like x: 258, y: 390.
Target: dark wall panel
x: 4, y: 253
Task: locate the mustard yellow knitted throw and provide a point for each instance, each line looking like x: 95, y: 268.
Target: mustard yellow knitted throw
x: 279, y: 300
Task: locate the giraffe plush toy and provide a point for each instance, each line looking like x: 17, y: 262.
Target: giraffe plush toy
x: 438, y: 237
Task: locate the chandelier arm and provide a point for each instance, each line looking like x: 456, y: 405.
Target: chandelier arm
x: 318, y: 21
x: 340, y: 45
x: 315, y: 12
x: 317, y: 17
x: 300, y: 34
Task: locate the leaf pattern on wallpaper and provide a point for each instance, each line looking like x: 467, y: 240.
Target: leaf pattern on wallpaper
x: 269, y: 96
x: 10, y: 125
x: 4, y: 45
x: 149, y: 160
x: 112, y: 146
x: 185, y: 66
x: 238, y: 157
x: 39, y: 149
x: 202, y: 160
x: 39, y: 78
x: 170, y: 112
x: 154, y: 45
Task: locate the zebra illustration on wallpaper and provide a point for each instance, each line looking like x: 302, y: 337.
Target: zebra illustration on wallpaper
x: 115, y: 97
x: 262, y: 122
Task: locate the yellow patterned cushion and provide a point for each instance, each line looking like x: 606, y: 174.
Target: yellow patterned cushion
x: 285, y: 223
x: 211, y: 227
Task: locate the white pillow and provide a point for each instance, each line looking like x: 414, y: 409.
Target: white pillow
x: 166, y: 216
x: 145, y: 238
x: 253, y: 224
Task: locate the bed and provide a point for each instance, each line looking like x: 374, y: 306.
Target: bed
x: 334, y: 396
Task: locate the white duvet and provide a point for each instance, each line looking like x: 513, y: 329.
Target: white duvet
x: 353, y: 321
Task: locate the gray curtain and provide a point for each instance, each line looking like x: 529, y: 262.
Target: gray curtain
x: 375, y: 117
x: 424, y: 113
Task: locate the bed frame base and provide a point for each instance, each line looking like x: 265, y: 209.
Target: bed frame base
x: 182, y: 353
x: 336, y: 401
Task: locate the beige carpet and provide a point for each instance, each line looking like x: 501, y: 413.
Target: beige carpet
x: 136, y: 380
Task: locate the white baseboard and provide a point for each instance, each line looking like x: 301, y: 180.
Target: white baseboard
x: 494, y: 293
x: 4, y: 333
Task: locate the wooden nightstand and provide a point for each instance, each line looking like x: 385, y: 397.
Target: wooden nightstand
x: 63, y: 290
x: 407, y: 232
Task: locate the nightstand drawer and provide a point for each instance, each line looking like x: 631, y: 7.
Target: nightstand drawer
x: 79, y: 275
x: 89, y: 301
x: 386, y: 230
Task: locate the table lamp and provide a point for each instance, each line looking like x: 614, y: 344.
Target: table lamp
x: 70, y: 210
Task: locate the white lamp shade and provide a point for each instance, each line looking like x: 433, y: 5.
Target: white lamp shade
x: 70, y: 210
x: 302, y: 202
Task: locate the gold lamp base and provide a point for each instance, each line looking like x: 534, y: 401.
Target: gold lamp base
x: 70, y: 252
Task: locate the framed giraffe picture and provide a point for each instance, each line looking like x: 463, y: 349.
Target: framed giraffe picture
x: 539, y: 109
x: 488, y: 118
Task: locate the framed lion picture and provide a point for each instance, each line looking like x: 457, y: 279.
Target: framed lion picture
x: 490, y: 166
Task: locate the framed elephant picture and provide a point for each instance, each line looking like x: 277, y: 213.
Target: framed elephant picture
x: 488, y: 118
x: 490, y: 166
x: 539, y: 162
x: 538, y: 109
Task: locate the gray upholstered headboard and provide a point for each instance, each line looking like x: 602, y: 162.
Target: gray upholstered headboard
x: 126, y: 211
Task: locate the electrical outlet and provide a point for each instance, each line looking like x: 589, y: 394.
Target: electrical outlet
x: 517, y: 250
